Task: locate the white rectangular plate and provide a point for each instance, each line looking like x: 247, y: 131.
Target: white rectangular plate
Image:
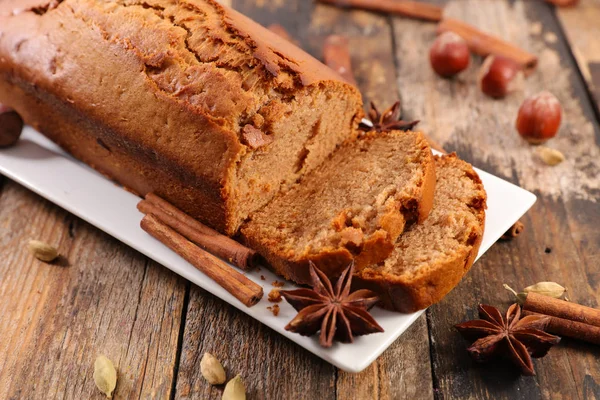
x: 43, y: 167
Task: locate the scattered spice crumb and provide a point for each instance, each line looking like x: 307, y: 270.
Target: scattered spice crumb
x: 274, y: 309
x: 274, y: 296
x: 262, y: 277
x: 514, y: 231
x: 278, y: 284
x: 550, y: 37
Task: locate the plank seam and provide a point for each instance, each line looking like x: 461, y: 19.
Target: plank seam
x: 2, y: 182
x: 588, y: 90
x: 186, y: 301
x: 336, y: 373
x: 137, y: 307
x: 379, y: 375
x: 435, y: 382
x: 396, y: 59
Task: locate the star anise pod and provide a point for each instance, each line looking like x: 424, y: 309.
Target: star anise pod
x: 388, y: 121
x: 337, y: 313
x: 513, y: 336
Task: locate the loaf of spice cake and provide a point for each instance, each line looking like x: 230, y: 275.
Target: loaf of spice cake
x: 431, y: 258
x: 352, y: 207
x: 184, y: 98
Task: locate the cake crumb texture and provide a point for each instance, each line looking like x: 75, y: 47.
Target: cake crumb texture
x: 431, y: 258
x: 351, y: 208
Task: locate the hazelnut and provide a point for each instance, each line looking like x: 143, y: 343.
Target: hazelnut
x: 11, y: 126
x: 539, y: 118
x: 449, y: 54
x: 499, y: 76
x: 564, y: 3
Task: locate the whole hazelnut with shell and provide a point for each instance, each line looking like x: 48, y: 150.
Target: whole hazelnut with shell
x: 500, y: 76
x: 539, y: 118
x: 449, y: 54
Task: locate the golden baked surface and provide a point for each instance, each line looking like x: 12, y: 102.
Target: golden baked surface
x: 161, y: 94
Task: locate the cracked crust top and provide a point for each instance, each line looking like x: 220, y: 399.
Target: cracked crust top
x: 194, y: 50
x: 173, y: 85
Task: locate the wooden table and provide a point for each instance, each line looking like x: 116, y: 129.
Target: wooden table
x: 104, y: 298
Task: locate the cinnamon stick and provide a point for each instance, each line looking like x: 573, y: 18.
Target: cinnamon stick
x: 200, y: 234
x: 561, y: 309
x: 576, y: 330
x: 336, y: 56
x: 228, y: 278
x: 485, y: 44
x: 406, y: 8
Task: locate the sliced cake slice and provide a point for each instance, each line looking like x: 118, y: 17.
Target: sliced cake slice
x: 430, y: 259
x: 352, y: 207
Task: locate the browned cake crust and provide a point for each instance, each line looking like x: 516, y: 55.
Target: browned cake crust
x: 160, y: 95
x: 430, y: 259
x: 353, y: 207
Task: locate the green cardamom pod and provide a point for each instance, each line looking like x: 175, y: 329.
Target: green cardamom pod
x: 105, y: 375
x: 551, y: 289
x: 42, y: 251
x: 520, y: 296
x: 212, y: 370
x: 235, y: 389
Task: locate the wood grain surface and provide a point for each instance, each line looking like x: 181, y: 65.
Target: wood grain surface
x: 582, y: 29
x: 99, y: 297
x: 103, y: 298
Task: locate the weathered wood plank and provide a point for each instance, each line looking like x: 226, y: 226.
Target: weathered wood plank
x: 559, y: 229
x: 582, y: 28
x: 456, y: 113
x: 271, y: 366
x: 101, y: 298
x: 402, y: 372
